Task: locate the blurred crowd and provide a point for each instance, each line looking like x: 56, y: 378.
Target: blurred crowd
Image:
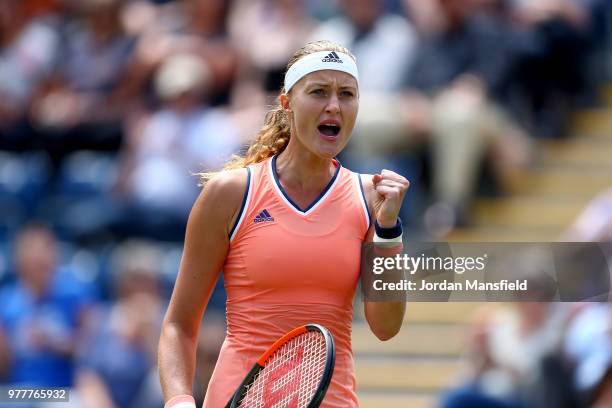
x: 60, y: 326
x: 110, y: 108
x: 537, y: 355
x: 546, y: 353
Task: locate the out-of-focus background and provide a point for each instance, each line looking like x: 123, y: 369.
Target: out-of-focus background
x: 498, y: 111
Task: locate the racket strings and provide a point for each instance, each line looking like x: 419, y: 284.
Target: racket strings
x: 291, y: 375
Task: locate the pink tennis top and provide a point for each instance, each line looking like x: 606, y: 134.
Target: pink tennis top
x: 287, y: 267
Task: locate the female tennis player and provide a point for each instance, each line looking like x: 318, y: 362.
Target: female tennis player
x: 285, y: 224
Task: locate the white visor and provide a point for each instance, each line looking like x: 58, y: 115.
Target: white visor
x: 319, y: 61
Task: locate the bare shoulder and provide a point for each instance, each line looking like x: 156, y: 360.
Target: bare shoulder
x: 230, y: 184
x: 222, y: 195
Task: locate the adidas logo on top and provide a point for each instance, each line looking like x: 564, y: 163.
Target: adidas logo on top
x: 263, y: 216
x: 332, y: 57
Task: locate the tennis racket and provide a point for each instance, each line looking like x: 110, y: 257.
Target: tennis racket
x: 293, y: 373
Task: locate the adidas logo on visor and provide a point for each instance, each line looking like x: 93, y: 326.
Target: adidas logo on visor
x: 332, y: 57
x: 263, y: 217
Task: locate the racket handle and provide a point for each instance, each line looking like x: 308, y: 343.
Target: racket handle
x: 181, y: 401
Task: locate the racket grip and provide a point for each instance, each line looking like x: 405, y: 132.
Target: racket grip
x: 181, y: 401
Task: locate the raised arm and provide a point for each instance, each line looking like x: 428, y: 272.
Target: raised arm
x: 206, y: 246
x: 385, y: 193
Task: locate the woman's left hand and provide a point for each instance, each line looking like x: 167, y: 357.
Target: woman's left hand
x: 391, y: 189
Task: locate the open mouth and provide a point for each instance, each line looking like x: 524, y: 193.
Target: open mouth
x: 329, y: 129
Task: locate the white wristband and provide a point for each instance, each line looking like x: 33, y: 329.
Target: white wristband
x: 181, y: 401
x: 387, y: 240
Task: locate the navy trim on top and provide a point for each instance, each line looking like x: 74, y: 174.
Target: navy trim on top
x: 244, y: 199
x: 365, y: 202
x: 316, y: 200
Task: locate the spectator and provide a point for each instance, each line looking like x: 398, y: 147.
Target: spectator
x: 588, y: 344
x: 29, y: 45
x: 555, y: 45
x: 197, y: 27
x: 41, y: 313
x: 118, y: 357
x: 163, y: 150
x: 208, y: 21
x: 462, y: 63
x: 76, y: 109
x: 514, y: 360
x: 383, y: 44
x: 266, y: 32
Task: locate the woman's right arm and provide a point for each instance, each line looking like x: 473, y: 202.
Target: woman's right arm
x: 206, y: 246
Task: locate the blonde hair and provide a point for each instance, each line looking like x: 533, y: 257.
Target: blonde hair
x: 275, y: 133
